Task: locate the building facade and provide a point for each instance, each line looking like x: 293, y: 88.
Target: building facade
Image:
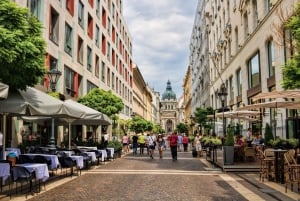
x: 199, y: 62
x: 142, y: 98
x: 247, y: 47
x: 168, y: 109
x: 155, y: 105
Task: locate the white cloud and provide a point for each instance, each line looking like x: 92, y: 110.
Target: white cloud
x: 161, y: 33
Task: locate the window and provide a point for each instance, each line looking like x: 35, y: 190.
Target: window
x: 98, y: 8
x: 239, y: 82
x: 108, y: 26
x: 254, y: 71
x: 53, y: 63
x: 289, y: 44
x: 112, y: 81
x: 70, y: 6
x: 34, y: 7
x: 90, y: 86
x: 268, y: 6
x: 69, y: 82
x: 103, y: 72
x: 103, y: 17
x: 80, y: 51
x: 108, y: 76
x: 255, y: 14
x: 97, y: 31
x: 271, y: 58
x: 89, y: 59
x: 81, y: 14
x: 54, y: 26
x: 68, y: 39
x: 246, y: 25
x: 108, y: 51
x: 236, y: 33
x: 97, y: 66
x: 103, y: 45
x: 90, y: 26
x: 231, y: 92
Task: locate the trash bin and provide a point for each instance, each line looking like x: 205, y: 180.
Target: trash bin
x: 12, y: 157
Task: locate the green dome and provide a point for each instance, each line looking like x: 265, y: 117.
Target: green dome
x: 168, y: 94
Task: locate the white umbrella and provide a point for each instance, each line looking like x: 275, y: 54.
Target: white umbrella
x: 272, y: 104
x: 3, y: 90
x: 278, y: 94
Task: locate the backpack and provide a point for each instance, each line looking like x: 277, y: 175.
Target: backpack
x: 173, y: 140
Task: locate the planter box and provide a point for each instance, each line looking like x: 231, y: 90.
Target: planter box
x: 228, y: 155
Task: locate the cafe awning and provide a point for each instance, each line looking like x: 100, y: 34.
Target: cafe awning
x: 272, y: 104
x: 3, y: 90
x: 295, y: 94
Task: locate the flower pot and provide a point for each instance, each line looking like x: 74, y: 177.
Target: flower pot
x: 228, y: 155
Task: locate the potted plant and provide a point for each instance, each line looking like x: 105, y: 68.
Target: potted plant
x: 269, y: 138
x: 228, y: 148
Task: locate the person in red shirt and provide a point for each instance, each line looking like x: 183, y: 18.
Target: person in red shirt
x: 173, y: 145
x: 185, y: 142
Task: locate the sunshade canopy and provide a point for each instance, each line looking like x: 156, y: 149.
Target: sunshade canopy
x: 33, y: 102
x: 3, y: 90
x: 278, y: 94
x: 273, y: 104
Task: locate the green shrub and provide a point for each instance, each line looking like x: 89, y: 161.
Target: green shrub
x: 269, y: 136
x: 229, y: 141
x: 115, y: 144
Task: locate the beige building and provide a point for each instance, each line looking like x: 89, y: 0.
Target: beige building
x: 187, y: 98
x: 155, y: 117
x: 89, y: 42
x: 142, y: 98
x: 247, y: 48
x: 168, y: 109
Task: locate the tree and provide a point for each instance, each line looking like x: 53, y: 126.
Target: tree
x: 22, y: 47
x: 182, y: 128
x: 201, y: 117
x: 291, y: 69
x: 139, y: 125
x: 102, y: 101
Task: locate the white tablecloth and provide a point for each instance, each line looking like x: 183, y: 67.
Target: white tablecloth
x: 79, y: 160
x: 92, y: 154
x: 52, y: 158
x: 103, y: 155
x: 40, y: 170
x: 84, y: 147
x: 112, y: 151
x: 4, y: 170
x: 69, y: 153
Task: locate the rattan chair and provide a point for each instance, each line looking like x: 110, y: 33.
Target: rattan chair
x: 266, y: 169
x: 292, y: 170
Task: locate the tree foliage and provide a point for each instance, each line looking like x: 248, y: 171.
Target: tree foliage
x: 22, y: 47
x: 291, y: 69
x: 182, y: 128
x: 102, y: 101
x: 201, y: 117
x: 268, y: 134
x: 140, y: 125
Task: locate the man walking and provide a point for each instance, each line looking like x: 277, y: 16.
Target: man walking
x: 173, y: 145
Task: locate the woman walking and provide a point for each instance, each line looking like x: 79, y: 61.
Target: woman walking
x: 161, y: 144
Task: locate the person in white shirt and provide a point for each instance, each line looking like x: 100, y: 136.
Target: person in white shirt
x: 151, y: 143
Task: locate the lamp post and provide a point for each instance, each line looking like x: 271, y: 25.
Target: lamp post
x: 53, y: 75
x: 192, y: 123
x: 222, y: 94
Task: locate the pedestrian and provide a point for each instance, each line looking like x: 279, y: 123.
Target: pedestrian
x: 134, y: 144
x: 179, y: 143
x: 141, y: 142
x: 1, y: 145
x: 185, y: 142
x: 151, y: 144
x: 197, y: 143
x: 125, y: 143
x: 173, y: 145
x: 105, y: 138
x: 160, y: 144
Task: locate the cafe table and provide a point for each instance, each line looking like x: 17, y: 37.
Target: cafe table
x: 4, y: 171
x: 40, y: 170
x: 103, y: 154
x: 79, y: 160
x: 279, y: 164
x: 53, y: 158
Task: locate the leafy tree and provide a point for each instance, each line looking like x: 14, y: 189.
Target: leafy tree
x: 157, y: 128
x: 201, y: 117
x: 102, y: 101
x: 291, y: 69
x: 182, y: 128
x: 22, y: 47
x: 139, y: 125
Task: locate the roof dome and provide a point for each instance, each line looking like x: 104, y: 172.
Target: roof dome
x: 168, y: 94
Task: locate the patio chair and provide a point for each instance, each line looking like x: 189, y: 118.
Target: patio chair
x: 292, y: 170
x: 22, y: 175
x: 249, y: 152
x: 67, y: 162
x: 266, y: 169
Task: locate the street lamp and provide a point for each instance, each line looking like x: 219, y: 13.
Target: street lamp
x: 53, y: 75
x: 222, y: 94
x: 192, y: 123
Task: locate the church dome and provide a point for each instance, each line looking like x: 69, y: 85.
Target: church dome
x: 168, y: 94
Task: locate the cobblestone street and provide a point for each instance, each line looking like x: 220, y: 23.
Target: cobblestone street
x: 141, y: 178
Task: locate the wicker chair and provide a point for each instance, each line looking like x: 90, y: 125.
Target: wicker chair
x: 292, y: 170
x: 249, y: 152
x: 266, y: 166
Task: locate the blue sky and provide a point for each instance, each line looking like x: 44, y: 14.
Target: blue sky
x: 161, y: 32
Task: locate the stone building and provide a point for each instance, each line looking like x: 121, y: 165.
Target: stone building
x: 169, y: 109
